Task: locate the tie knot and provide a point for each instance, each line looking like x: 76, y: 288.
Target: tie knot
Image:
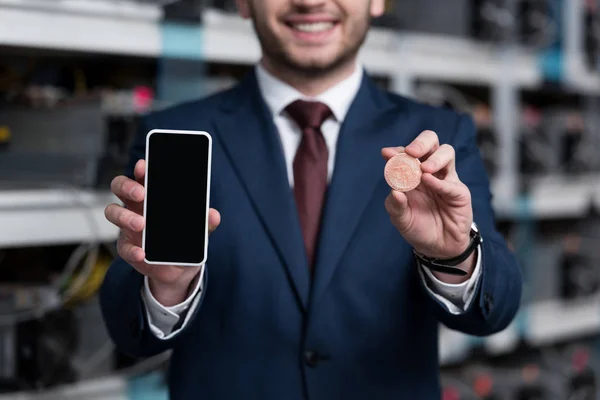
x: 308, y: 114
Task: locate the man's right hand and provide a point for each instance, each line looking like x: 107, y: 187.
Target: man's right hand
x: 169, y: 284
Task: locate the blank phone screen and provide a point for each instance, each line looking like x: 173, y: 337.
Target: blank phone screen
x: 178, y: 167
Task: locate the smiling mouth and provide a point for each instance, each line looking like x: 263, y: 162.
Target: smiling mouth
x: 312, y: 27
x: 308, y: 27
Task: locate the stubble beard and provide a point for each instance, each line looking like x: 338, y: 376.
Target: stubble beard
x: 274, y: 51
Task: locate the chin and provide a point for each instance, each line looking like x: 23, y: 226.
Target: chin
x: 312, y: 68
x: 314, y: 64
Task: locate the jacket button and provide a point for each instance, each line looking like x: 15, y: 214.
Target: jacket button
x: 311, y: 358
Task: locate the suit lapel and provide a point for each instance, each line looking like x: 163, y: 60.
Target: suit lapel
x: 252, y: 145
x: 358, y: 170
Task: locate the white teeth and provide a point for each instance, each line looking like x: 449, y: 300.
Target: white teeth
x: 314, y: 26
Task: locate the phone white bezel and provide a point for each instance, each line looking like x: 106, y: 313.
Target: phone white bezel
x: 179, y: 132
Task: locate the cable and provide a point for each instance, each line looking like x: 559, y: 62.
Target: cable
x: 74, y: 259
x: 74, y: 287
x: 91, y: 249
x: 80, y: 280
x: 92, y: 282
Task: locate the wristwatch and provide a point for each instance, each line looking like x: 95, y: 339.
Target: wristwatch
x: 448, y: 265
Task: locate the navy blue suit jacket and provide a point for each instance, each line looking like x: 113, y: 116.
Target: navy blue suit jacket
x: 365, y: 326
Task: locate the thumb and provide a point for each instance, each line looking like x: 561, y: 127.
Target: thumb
x: 214, y: 219
x: 139, y: 171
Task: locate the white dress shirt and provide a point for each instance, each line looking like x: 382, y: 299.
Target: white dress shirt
x: 278, y: 95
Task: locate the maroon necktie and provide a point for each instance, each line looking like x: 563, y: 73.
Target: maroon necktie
x: 310, y: 169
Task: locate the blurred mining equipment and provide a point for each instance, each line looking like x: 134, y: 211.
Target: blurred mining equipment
x: 227, y: 6
x: 538, y: 23
x: 191, y: 11
x: 579, y: 261
x: 561, y: 258
x: 577, y: 365
x: 557, y: 372
x: 457, y: 99
x: 534, y: 147
x: 22, y: 351
x: 487, y: 140
x: 51, y: 330
x: 428, y: 16
x: 77, y: 143
x: 591, y: 33
x: 70, y: 120
x: 558, y: 141
x: 62, y: 143
x: 533, y: 24
x: 530, y: 23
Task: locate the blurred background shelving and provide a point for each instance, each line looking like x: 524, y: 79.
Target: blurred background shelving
x: 76, y: 75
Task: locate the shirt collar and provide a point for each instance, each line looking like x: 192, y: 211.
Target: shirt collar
x: 278, y: 94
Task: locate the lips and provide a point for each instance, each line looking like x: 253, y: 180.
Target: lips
x: 314, y: 29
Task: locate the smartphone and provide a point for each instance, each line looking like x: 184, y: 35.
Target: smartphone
x: 176, y: 204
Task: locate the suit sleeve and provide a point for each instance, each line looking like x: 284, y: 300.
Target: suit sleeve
x: 125, y: 315
x: 163, y: 320
x: 121, y: 302
x: 498, y: 292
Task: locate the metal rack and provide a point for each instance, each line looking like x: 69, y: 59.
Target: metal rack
x: 42, y: 217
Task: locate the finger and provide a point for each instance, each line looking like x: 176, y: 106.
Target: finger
x: 130, y: 253
x: 124, y: 218
x: 214, y: 219
x: 442, y: 158
x: 396, y: 204
x: 449, y: 190
x: 426, y: 143
x: 132, y: 237
x: 127, y: 189
x: 389, y: 152
x: 140, y: 171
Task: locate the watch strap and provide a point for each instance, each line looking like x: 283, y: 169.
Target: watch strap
x: 449, y: 265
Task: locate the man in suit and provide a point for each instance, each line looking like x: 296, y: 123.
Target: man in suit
x: 321, y: 282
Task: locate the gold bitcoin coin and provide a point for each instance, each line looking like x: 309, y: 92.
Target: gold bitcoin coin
x: 403, y: 172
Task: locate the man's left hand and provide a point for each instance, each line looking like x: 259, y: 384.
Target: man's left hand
x: 435, y: 218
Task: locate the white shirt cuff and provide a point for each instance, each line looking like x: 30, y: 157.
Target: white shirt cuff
x: 163, y: 319
x: 456, y: 297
